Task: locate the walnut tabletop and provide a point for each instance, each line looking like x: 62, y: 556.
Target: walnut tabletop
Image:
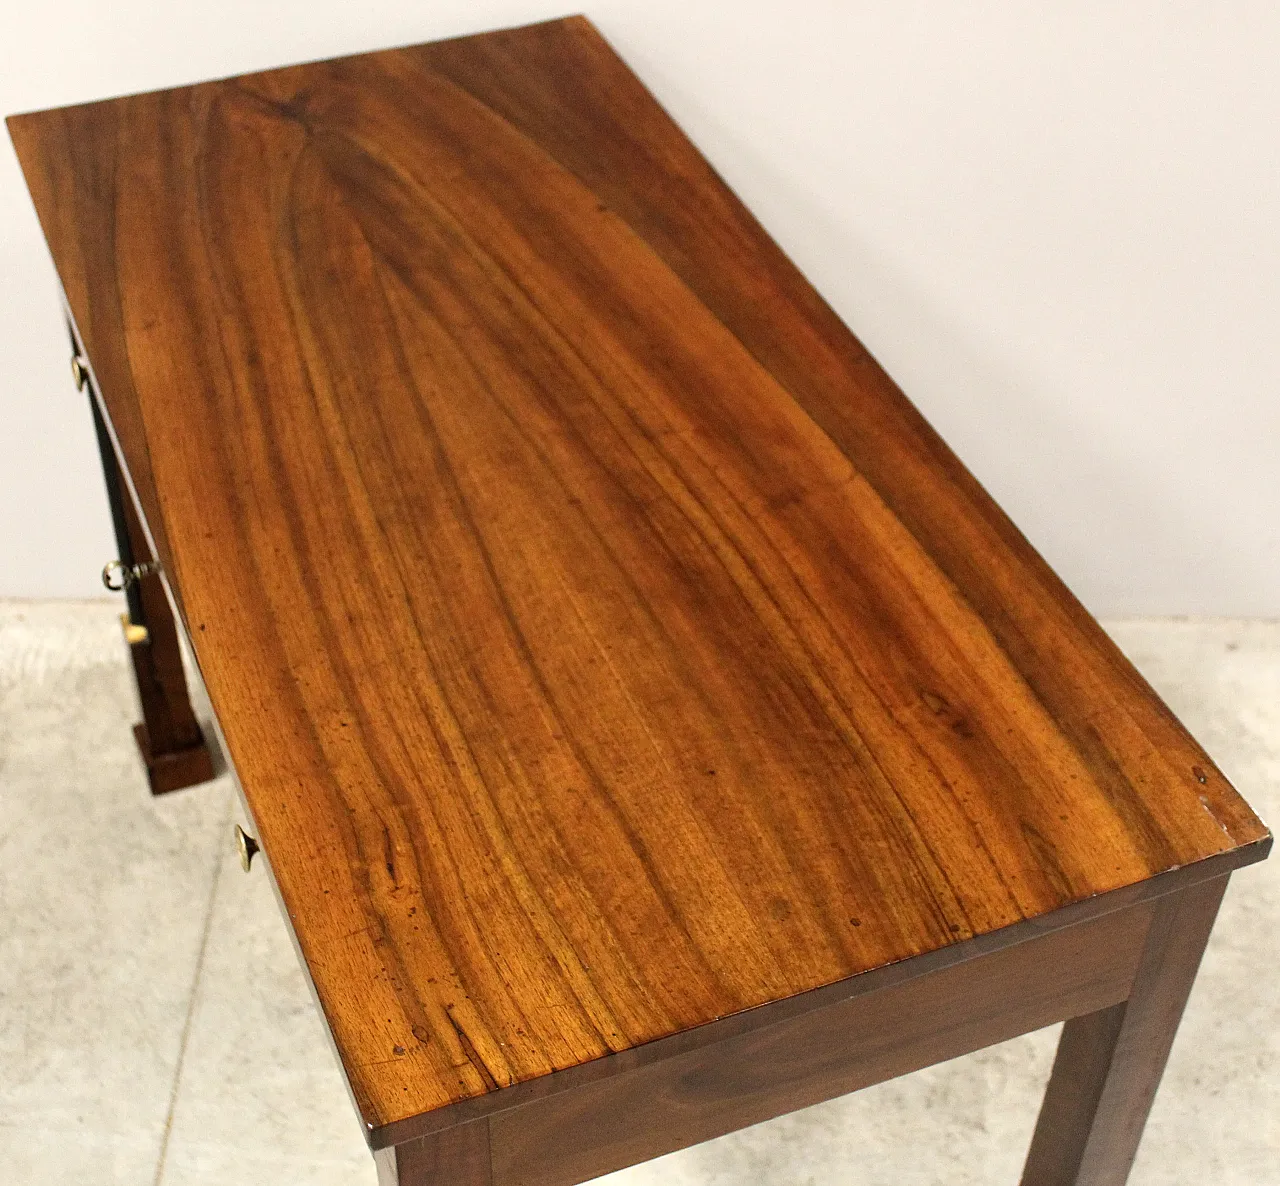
x: 604, y: 645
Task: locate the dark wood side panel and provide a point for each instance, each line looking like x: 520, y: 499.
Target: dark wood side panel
x: 605, y: 1126
x: 778, y: 1012
x: 455, y: 1157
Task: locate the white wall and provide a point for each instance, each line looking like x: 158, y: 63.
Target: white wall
x: 1056, y: 225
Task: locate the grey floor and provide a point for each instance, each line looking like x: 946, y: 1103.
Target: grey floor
x: 155, y: 1028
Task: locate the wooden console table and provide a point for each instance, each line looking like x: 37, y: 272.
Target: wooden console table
x: 648, y: 723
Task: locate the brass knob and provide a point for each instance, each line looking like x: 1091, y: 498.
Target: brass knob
x: 247, y: 846
x: 78, y: 372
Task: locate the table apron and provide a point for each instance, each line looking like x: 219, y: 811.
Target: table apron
x: 575, y: 1136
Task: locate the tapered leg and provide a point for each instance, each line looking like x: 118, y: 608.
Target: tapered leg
x: 169, y: 738
x: 1109, y: 1063
x: 455, y: 1157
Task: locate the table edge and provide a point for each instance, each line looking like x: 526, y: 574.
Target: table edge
x: 188, y: 647
x: 764, y: 1016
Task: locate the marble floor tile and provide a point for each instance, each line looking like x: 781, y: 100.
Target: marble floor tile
x: 104, y: 898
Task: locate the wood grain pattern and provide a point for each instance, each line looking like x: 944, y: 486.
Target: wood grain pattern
x: 865, y: 1039
x: 603, y: 643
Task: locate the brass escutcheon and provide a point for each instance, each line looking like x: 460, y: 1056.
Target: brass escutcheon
x: 247, y: 846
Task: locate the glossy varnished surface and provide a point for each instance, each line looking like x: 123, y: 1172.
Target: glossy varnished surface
x: 603, y: 643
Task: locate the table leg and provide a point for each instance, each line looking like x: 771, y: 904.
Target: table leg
x: 455, y: 1157
x: 1109, y: 1063
x: 169, y: 738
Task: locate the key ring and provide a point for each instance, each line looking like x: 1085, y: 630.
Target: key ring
x: 118, y: 576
